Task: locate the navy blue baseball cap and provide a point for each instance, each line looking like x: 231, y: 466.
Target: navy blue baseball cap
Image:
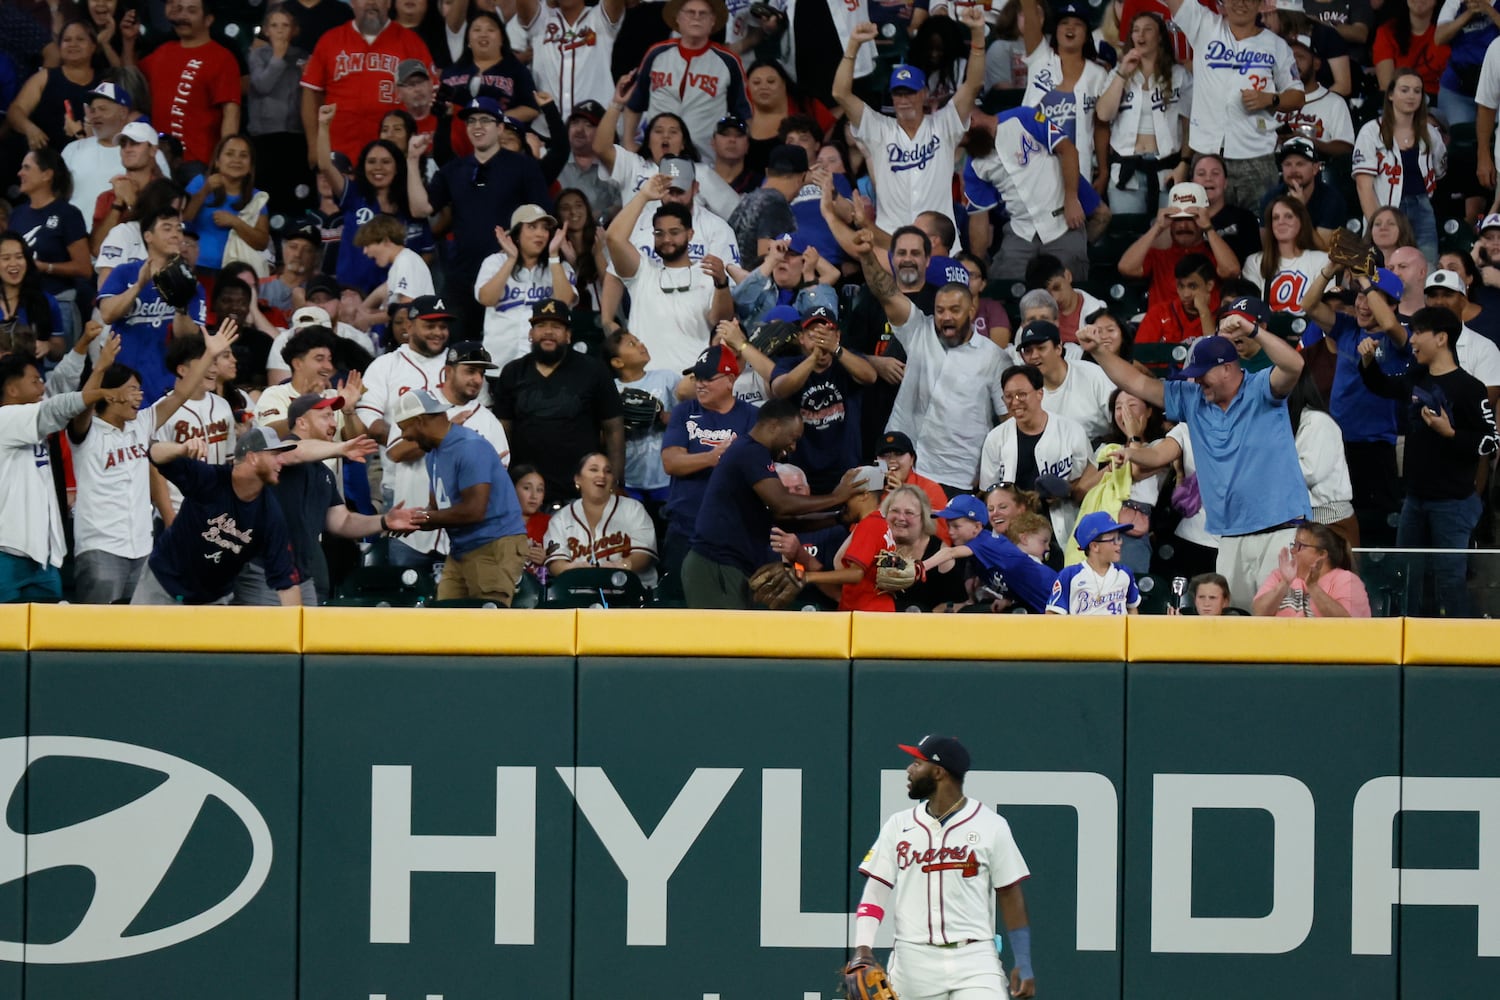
x: 1249, y: 307
x: 1071, y: 9
x: 944, y: 751
x: 965, y: 505
x: 1208, y: 354
x: 1091, y: 526
x: 904, y: 77
x: 820, y: 314
x: 482, y: 106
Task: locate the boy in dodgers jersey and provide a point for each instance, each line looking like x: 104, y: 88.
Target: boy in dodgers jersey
x: 949, y: 864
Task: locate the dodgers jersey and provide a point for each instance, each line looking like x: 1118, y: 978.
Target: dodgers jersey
x: 1081, y: 591
x: 912, y: 174
x: 507, y: 323
x: 944, y: 876
x: 1222, y: 67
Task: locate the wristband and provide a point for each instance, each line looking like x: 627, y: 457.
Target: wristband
x: 723, y: 286
x: 383, y: 525
x: 1020, y: 946
x: 554, y: 260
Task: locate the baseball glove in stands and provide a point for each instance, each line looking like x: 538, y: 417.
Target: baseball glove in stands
x: 640, y: 407
x: 1350, y: 251
x: 864, y: 979
x: 175, y: 283
x: 894, y: 572
x: 775, y: 585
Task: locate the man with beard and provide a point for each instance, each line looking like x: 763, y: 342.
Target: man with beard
x: 557, y: 405
x: 674, y: 304
x: 195, y: 81
x: 469, y: 364
x: 420, y: 363
x: 1182, y: 227
x: 351, y: 67
x: 828, y: 381
x: 950, y: 393
x: 954, y: 956
x: 743, y: 500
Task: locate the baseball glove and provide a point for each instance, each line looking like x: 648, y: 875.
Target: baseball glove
x: 864, y: 979
x: 775, y: 338
x: 175, y: 283
x: 641, y: 409
x: 894, y: 572
x: 775, y: 585
x: 1350, y: 251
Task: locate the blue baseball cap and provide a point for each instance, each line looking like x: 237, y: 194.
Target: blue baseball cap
x: 1208, y: 354
x: 1071, y: 9
x: 1387, y: 282
x: 904, y: 77
x: 944, y: 751
x: 1091, y: 526
x: 1248, y: 306
x: 783, y: 314
x: 965, y: 505
x: 482, y: 106
x: 111, y: 92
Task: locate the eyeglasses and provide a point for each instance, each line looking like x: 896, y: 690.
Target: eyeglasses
x: 1113, y: 538
x: 1299, y: 546
x: 1011, y: 397
x: 665, y: 289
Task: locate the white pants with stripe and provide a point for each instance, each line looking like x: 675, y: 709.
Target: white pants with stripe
x: 967, y: 972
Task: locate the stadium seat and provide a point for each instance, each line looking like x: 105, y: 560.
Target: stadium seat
x: 385, y: 586
x: 1388, y: 580
x: 596, y: 588
x: 1156, y: 593
x: 529, y: 593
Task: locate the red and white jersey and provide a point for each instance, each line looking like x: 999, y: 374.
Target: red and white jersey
x: 625, y: 527
x: 1375, y: 159
x: 700, y: 86
x: 360, y: 77
x: 571, y: 61
x: 209, y: 417
x: 113, y: 470
x: 389, y: 377
x: 944, y: 875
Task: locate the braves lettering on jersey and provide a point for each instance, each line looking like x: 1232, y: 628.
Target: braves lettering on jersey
x: 360, y: 77
x: 944, y: 875
x: 1081, y: 591
x: 389, y: 377
x: 698, y: 85
x: 209, y: 417
x: 623, y: 528
x: 1223, y: 66
x: 571, y: 61
x: 914, y: 174
x: 1022, y: 172
x: 1373, y: 158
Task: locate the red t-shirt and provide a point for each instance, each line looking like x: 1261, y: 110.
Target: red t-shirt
x: 1158, y: 266
x: 870, y: 536
x: 189, y: 88
x: 360, y: 77
x: 1423, y: 56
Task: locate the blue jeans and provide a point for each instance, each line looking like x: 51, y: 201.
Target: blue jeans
x: 1442, y: 524
x: 1418, y: 209
x: 1458, y: 107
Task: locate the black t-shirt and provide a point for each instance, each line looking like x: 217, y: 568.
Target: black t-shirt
x: 1026, y: 470
x: 554, y: 420
x: 937, y: 588
x: 1438, y: 467
x: 830, y: 444
x: 733, y: 524
x: 1240, y: 229
x: 1487, y: 323
x: 305, y: 493
x: 313, y: 21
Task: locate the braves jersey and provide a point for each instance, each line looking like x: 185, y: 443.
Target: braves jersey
x: 912, y: 174
x: 1022, y: 172
x: 389, y: 377
x: 113, y: 470
x: 209, y: 417
x: 571, y: 61
x: 1081, y: 591
x: 1222, y: 67
x: 507, y: 323
x: 623, y: 528
x: 1323, y: 117
x: 1373, y: 158
x: 944, y: 875
x: 1044, y: 80
x: 700, y: 86
x: 1284, y: 292
x: 1062, y: 450
x: 360, y: 77
x: 34, y: 528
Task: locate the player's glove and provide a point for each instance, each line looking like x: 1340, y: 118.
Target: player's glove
x: 641, y: 409
x: 864, y: 979
x: 175, y: 283
x: 894, y: 572
x: 1348, y: 250
x: 775, y: 337
x: 775, y: 585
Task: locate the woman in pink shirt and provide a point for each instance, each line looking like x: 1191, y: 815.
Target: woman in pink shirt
x: 1313, y: 580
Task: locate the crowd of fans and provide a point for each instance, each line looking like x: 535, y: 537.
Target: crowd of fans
x: 1045, y: 306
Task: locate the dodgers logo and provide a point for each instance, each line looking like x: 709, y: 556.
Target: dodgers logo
x: 1218, y: 55
x: 128, y: 850
x: 915, y: 158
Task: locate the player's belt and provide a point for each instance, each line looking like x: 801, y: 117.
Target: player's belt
x: 957, y: 944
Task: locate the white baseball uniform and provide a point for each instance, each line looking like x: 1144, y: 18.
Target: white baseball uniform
x: 943, y: 877
x: 507, y: 323
x: 209, y: 417
x: 625, y: 527
x: 388, y: 378
x: 112, y: 467
x: 912, y: 174
x: 1062, y: 450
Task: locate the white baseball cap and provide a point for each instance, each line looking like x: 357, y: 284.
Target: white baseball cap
x: 140, y: 132
x: 1448, y: 280
x: 415, y: 404
x: 1491, y: 221
x: 311, y: 316
x: 1186, y: 198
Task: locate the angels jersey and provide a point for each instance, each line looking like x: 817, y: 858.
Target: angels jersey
x: 944, y: 875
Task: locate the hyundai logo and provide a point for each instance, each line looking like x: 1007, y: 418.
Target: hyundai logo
x: 128, y: 850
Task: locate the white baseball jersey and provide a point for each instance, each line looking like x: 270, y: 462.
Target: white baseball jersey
x: 1488, y: 90
x: 1044, y: 77
x: 34, y: 526
x: 1081, y: 591
x: 1323, y: 117
x: 1166, y: 107
x: 624, y: 527
x: 209, y: 417
x: 1320, y: 452
x: 1195, y: 527
x: 408, y: 278
x: 571, y: 61
x: 632, y: 171
x: 387, y: 379
x: 1478, y: 355
x: 948, y: 399
x: 1022, y: 172
x: 944, y: 875
x: 507, y: 323
x: 1222, y: 67
x: 846, y: 14
x: 912, y: 175
x: 669, y: 309
x: 122, y: 246
x: 711, y: 235
x: 113, y: 472
x: 1287, y: 287
x: 483, y: 422
x: 1384, y: 164
x: 1062, y: 450
x: 1082, y: 397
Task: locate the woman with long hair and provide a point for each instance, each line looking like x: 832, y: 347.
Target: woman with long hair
x: 105, y: 18
x: 1399, y: 157
x: 582, y: 246
x: 49, y: 109
x: 940, y: 49
x: 1407, y: 40
x: 1146, y: 104
x: 666, y: 135
x: 601, y: 528
x: 57, y: 235
x: 378, y: 187
x: 1314, y: 578
x: 1065, y: 77
x: 1289, y: 257
x: 22, y: 300
x: 274, y: 110
x: 1236, y: 224
x: 491, y: 70
x: 1388, y: 231
x: 218, y: 200
x: 774, y: 97
x: 528, y: 268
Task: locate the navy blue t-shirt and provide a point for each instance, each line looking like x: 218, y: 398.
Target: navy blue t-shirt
x: 216, y: 533
x: 49, y: 232
x: 1360, y: 414
x: 354, y: 268
x: 465, y: 459
x: 697, y: 429
x: 946, y: 270
x: 733, y: 524
x: 830, y: 424
x: 807, y: 209
x: 1009, y: 570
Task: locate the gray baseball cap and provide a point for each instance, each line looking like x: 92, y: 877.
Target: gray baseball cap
x: 261, y: 439
x: 680, y: 170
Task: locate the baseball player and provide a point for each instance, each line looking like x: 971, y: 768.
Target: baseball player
x: 948, y: 862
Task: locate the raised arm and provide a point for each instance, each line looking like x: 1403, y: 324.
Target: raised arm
x: 604, y: 135
x: 416, y: 191
x: 1033, y: 23
x: 971, y: 15
x: 880, y: 282
x: 626, y: 257
x: 1317, y: 310
x: 213, y: 346
x: 843, y: 80
x: 1121, y: 372
x: 324, y: 145
x: 1286, y: 359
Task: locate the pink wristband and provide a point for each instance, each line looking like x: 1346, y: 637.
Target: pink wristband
x: 870, y: 910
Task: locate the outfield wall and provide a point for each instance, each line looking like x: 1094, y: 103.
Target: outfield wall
x: 345, y: 804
